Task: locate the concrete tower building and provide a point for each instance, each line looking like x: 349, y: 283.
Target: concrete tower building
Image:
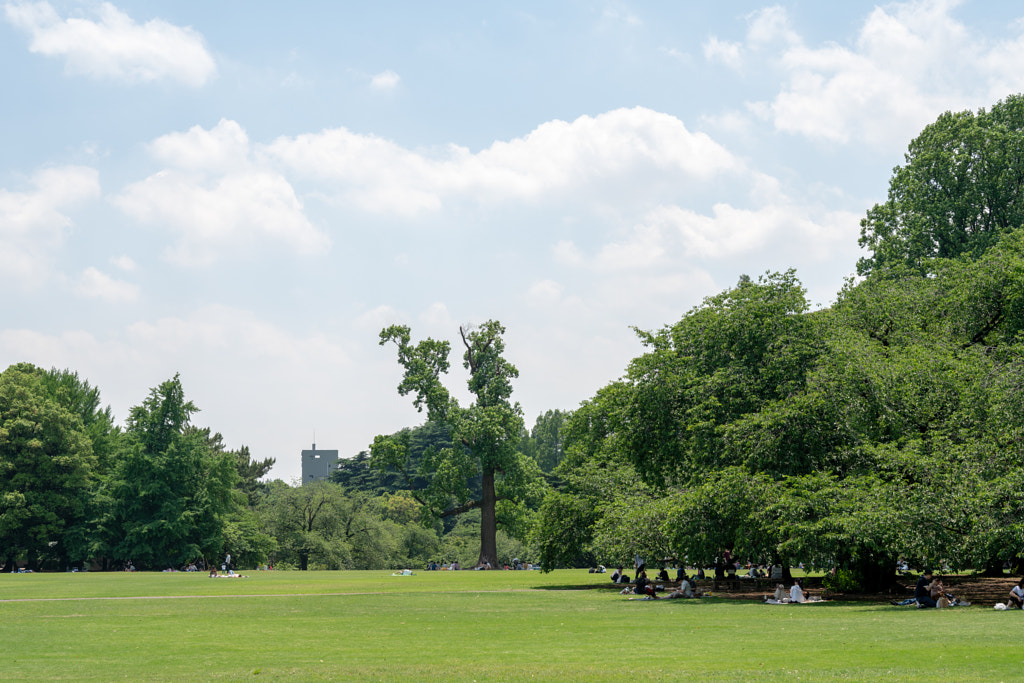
x: 317, y: 465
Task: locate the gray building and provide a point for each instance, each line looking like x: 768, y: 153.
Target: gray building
x: 317, y: 464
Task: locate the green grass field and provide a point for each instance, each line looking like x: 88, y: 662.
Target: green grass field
x: 465, y: 626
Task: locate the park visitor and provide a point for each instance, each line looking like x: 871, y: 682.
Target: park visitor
x: 1017, y: 595
x: 923, y: 590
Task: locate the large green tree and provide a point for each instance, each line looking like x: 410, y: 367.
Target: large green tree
x: 47, y: 468
x: 484, y: 435
x: 172, y: 493
x: 960, y: 189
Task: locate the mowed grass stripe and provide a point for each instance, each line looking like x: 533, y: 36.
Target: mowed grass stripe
x: 408, y: 634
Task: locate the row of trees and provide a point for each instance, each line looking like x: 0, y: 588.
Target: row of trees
x: 75, y: 487
x: 160, y: 492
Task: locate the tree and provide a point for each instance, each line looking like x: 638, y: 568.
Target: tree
x: 250, y: 471
x: 319, y: 523
x: 484, y: 435
x: 544, y: 442
x: 738, y: 352
x: 172, y: 492
x: 47, y: 469
x: 961, y: 188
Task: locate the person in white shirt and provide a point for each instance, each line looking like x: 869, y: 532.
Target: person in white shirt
x: 1017, y: 595
x: 796, y: 593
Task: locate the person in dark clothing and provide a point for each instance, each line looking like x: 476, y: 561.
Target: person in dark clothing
x: 923, y: 590
x: 643, y: 585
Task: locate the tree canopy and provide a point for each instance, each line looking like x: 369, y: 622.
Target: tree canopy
x: 485, y: 435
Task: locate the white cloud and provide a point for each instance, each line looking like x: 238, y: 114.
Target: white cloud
x: 437, y: 317
x: 95, y: 284
x: 671, y: 237
x: 223, y: 148
x: 216, y: 201
x: 385, y: 80
x: 379, y: 175
x: 909, y: 62
x: 377, y: 319
x: 643, y: 250
x: 770, y: 25
x: 727, y: 53
x: 545, y: 291
x: 222, y: 329
x: 124, y: 262
x: 618, y: 13
x: 32, y: 223
x: 114, y: 46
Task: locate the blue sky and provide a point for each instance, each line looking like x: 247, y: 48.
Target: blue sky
x: 245, y: 193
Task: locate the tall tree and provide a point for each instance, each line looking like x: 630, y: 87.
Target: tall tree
x: 484, y: 435
x: 47, y: 469
x: 960, y: 189
x: 172, y: 492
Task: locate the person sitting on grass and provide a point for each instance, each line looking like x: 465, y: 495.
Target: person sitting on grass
x: 643, y: 585
x: 663, y: 575
x: 796, y: 593
x: 1017, y: 595
x: 685, y: 590
x: 923, y: 590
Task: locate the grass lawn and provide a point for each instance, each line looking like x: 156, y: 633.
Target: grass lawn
x: 468, y: 626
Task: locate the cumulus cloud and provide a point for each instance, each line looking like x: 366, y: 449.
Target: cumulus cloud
x: 33, y: 222
x: 223, y: 148
x: 670, y: 237
x: 908, y: 62
x: 385, y: 80
x: 727, y: 53
x: 219, y: 329
x: 379, y: 175
x: 113, y: 46
x: 216, y: 200
x: 95, y: 284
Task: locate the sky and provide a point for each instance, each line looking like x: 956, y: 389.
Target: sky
x: 246, y: 193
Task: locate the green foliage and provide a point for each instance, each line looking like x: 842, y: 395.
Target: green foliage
x: 47, y: 468
x: 888, y: 425
x: 484, y: 436
x: 958, y: 192
x: 544, y: 443
x: 841, y: 581
x: 173, y: 489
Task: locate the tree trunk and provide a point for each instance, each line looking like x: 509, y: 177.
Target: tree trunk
x: 488, y: 522
x: 876, y: 572
x: 994, y: 567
